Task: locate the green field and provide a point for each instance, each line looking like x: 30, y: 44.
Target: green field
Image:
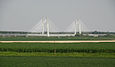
x: 56, y: 62
x: 59, y: 47
x: 56, y: 38
x: 57, y: 54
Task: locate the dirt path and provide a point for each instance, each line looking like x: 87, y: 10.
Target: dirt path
x: 55, y: 41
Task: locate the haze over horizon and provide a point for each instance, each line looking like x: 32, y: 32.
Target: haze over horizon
x: 22, y: 15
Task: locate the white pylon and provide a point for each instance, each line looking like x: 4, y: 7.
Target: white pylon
x: 75, y: 27
x: 79, y: 27
x: 47, y: 27
x: 42, y: 25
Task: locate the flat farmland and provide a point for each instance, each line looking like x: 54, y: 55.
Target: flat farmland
x: 108, y: 47
x: 68, y: 38
x: 95, y: 54
x: 39, y: 61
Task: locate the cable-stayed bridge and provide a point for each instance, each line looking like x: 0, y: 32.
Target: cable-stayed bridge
x: 45, y: 27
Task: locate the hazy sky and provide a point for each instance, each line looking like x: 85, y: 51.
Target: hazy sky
x: 22, y: 15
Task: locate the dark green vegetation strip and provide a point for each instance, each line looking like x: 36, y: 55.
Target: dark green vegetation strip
x: 109, y: 55
x: 59, y: 47
x: 56, y: 38
x: 56, y: 62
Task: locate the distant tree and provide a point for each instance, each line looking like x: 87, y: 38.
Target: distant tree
x: 95, y: 32
x: 77, y: 34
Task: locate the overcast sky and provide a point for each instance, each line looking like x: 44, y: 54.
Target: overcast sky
x: 22, y: 15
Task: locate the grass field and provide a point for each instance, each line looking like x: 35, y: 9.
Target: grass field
x: 56, y: 38
x: 57, y: 54
x: 59, y: 47
x: 104, y: 55
x: 56, y: 62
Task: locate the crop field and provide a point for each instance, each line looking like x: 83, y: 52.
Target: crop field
x: 101, y: 54
x: 56, y: 38
x: 59, y: 47
x: 38, y: 61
